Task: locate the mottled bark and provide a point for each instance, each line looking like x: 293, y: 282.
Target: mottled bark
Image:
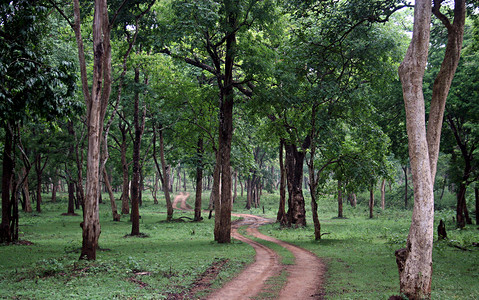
x: 383, y: 194
x: 415, y: 261
x: 294, y: 174
x: 281, y: 216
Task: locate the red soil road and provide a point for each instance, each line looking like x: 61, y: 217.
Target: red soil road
x: 305, y: 277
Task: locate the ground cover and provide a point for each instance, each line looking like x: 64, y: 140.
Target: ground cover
x: 359, y: 253
x: 164, y: 264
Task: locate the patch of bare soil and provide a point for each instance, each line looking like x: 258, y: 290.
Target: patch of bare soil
x: 305, y: 277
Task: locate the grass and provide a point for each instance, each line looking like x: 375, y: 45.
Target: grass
x: 166, y: 262
x: 359, y: 253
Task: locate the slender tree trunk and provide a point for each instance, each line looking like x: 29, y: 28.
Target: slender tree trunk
x: 281, y: 216
x: 166, y: 179
x: 125, y: 194
x: 135, y: 185
x: 383, y: 196
x: 460, y: 219
x: 96, y: 108
x: 249, y: 192
x: 340, y: 200
x: 235, y: 177
x: 39, y: 172
x: 476, y: 195
x: 199, y: 179
x: 371, y: 203
x: 26, y: 193
x: 114, y: 211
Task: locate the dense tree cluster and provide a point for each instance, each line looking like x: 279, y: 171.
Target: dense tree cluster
x: 288, y: 95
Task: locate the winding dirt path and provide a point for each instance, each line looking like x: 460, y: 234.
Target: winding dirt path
x: 305, y: 277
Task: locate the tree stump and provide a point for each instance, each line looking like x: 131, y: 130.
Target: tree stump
x: 441, y: 231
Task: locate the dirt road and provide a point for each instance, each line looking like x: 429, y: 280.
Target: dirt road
x: 305, y: 277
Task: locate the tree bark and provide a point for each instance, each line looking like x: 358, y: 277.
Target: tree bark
x: 476, y: 194
x: 199, y: 180
x: 114, y: 211
x: 340, y: 200
x: 125, y: 194
x: 294, y: 173
x: 96, y: 108
x: 135, y: 181
x: 405, y: 186
x: 415, y: 261
x: 281, y: 216
x: 383, y: 194
x: 371, y: 203
x: 7, y: 175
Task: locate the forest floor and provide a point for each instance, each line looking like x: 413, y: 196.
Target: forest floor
x: 304, y: 277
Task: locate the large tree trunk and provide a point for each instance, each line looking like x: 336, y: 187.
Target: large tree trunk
x: 415, y: 261
x: 199, y: 180
x: 223, y: 234
x: 7, y: 175
x: 96, y: 107
x: 294, y: 173
x: 281, y: 216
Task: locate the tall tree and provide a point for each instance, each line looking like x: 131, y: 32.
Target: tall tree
x: 415, y: 261
x: 34, y: 86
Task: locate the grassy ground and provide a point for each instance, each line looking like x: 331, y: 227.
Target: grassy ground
x: 166, y: 262
x: 359, y: 253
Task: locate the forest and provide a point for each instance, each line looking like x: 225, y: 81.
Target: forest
x: 239, y: 149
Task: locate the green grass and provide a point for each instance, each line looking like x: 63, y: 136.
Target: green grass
x: 359, y: 253
x: 166, y: 262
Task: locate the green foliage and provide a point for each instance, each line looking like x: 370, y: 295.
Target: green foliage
x: 35, y: 83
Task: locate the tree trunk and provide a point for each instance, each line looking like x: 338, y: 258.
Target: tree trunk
x: 125, y: 194
x: 26, y: 193
x: 235, y: 177
x: 371, y: 203
x: 54, y: 191
x: 476, y: 194
x: 135, y: 184
x: 39, y: 172
x: 405, y: 186
x: 281, y: 216
x: 199, y: 180
x: 383, y: 194
x: 114, y: 211
x: 71, y: 198
x: 249, y: 192
x: 461, y: 199
x: 294, y: 172
x: 96, y: 107
x: 340, y: 200
x: 166, y: 179
x: 223, y: 234
x: 7, y: 175
x: 415, y: 261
